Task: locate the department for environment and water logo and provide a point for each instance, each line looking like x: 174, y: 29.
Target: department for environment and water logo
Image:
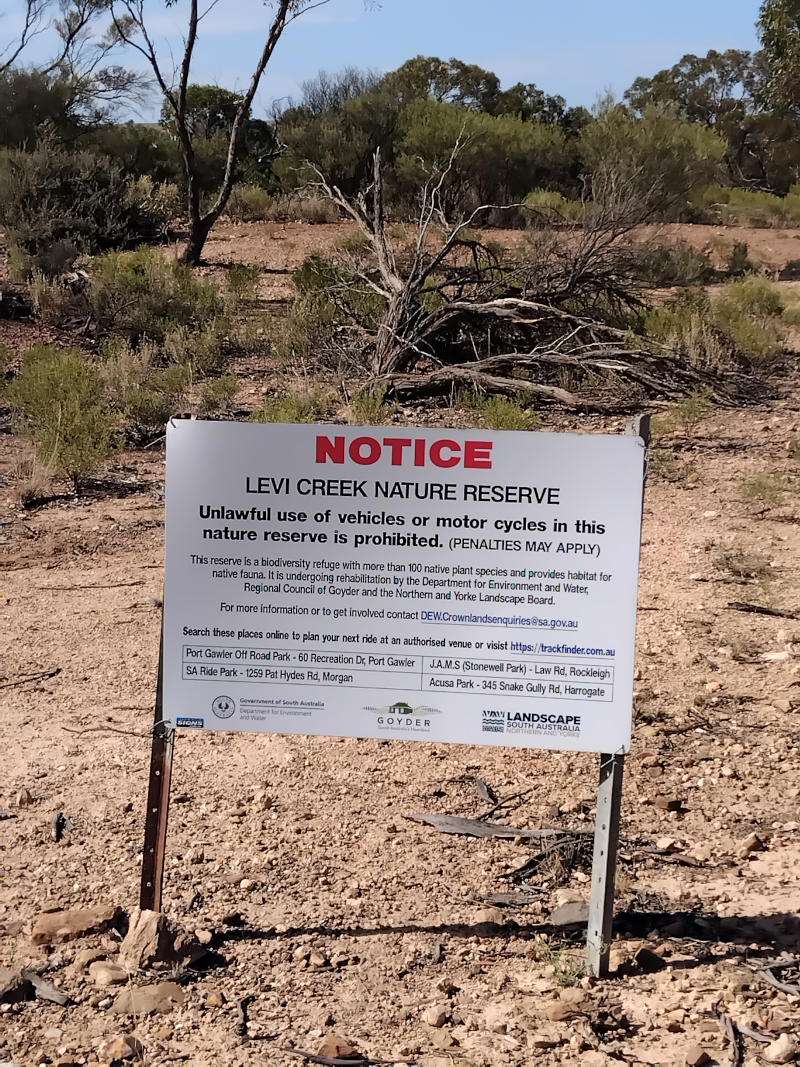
x: 223, y: 707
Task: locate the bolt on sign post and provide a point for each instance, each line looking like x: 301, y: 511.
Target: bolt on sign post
x: 407, y: 584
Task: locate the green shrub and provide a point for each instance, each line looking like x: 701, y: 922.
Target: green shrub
x: 57, y: 301
x: 500, y: 413
x: 748, y: 207
x: 52, y: 197
x: 749, y: 312
x: 58, y: 402
x: 764, y: 489
x: 201, y: 350
x: 218, y: 394
x: 249, y: 203
x: 145, y: 394
x: 242, y: 281
x: 743, y: 322
x: 672, y: 264
x: 685, y: 414
x: 658, y: 155
x: 739, y: 262
x: 146, y: 295
x: 367, y: 407
x: 546, y: 205
x: 301, y: 403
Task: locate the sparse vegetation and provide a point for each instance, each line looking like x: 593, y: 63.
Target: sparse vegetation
x: 742, y: 562
x: 58, y: 403
x: 499, y: 412
x: 367, y: 407
x: 764, y: 489
x: 299, y: 402
x: 217, y: 394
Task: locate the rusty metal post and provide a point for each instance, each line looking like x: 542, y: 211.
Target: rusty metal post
x: 607, y: 822
x: 157, y: 814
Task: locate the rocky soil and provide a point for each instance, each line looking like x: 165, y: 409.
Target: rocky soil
x: 313, y: 914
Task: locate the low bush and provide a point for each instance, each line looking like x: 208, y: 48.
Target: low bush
x: 299, y: 403
x: 146, y: 295
x: 367, y: 407
x: 55, y: 204
x: 500, y: 412
x: 145, y: 394
x: 249, y: 203
x: 217, y: 394
x: 749, y: 313
x: 741, y: 562
x: 672, y: 264
x: 59, y: 404
x: 741, y: 324
x: 766, y: 490
x: 549, y: 207
x: 242, y: 281
x: 748, y: 207
x: 684, y: 415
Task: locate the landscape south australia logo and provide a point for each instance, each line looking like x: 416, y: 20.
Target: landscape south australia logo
x: 552, y: 724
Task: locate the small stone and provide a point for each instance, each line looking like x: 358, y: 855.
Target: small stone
x: 436, y: 1015
x: 53, y: 927
x: 774, y: 657
x: 23, y: 798
x: 145, y: 1000
x: 783, y: 1050
x: 696, y: 1056
x: 572, y: 913
x: 105, y: 974
x: 497, y: 1018
x: 752, y: 843
x: 153, y: 938
x: 215, y: 999
x: 338, y: 1048
x: 317, y: 960
x: 647, y: 962
x: 120, y: 1049
x: 247, y: 884
x: 13, y: 987
x: 669, y: 803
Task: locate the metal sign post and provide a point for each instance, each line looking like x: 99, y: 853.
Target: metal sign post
x: 157, y: 814
x: 606, y: 830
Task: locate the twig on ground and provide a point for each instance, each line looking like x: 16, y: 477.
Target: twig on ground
x: 40, y: 676
x: 759, y: 609
x: 92, y: 585
x: 733, y: 1034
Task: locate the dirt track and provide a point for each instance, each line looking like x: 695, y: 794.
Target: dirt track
x: 357, y: 920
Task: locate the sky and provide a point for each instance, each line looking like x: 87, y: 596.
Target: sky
x: 577, y: 48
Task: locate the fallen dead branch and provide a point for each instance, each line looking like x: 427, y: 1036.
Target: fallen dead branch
x: 341, y: 1061
x: 553, y: 323
x: 771, y: 975
x: 556, y: 861
x: 90, y: 585
x: 40, y: 676
x: 734, y: 1035
x: 454, y: 824
x: 760, y: 609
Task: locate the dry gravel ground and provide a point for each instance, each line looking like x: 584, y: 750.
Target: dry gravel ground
x: 323, y: 903
x: 330, y: 909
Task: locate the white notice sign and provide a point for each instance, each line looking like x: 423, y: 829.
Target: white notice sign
x: 393, y: 582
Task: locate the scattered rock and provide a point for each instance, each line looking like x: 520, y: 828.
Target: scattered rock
x: 571, y: 1002
x: 153, y: 938
x: 670, y: 803
x: 497, y: 1018
x: 338, y: 1048
x: 752, y: 843
x: 121, y: 1049
x: 783, y: 1050
x: 23, y: 799
x: 573, y: 913
x: 647, y: 962
x: 54, y: 927
x: 147, y: 999
x: 14, y: 988
x: 696, y: 1057
x: 215, y: 998
x: 436, y: 1015
x: 105, y: 974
